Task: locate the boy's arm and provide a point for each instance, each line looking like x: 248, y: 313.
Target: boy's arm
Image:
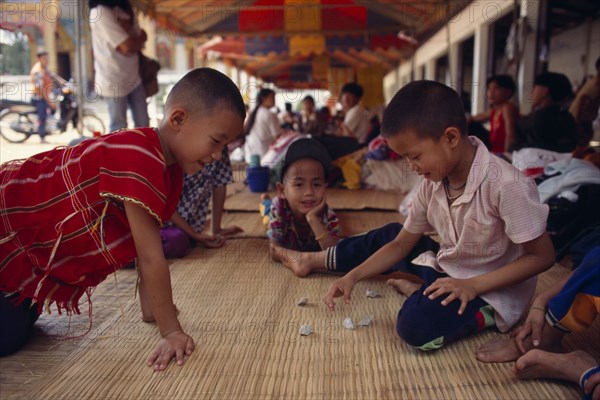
x: 182, y: 224
x: 538, y: 257
x: 218, y: 205
x: 481, y: 117
x: 536, y: 318
x: 133, y: 43
x: 322, y: 235
x: 509, y: 113
x: 156, y: 290
x: 382, y: 260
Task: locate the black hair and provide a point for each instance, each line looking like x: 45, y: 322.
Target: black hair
x: 260, y: 97
x: 558, y: 85
x: 353, y: 88
x: 426, y: 108
x: 124, y: 5
x: 504, y: 81
x: 204, y: 89
x: 309, y: 98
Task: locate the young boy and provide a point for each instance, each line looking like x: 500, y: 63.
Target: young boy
x: 486, y: 213
x: 299, y: 217
x: 187, y: 223
x: 571, y: 304
x: 549, y: 126
x: 503, y: 115
x: 72, y: 216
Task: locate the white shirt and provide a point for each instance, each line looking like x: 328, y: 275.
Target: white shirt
x: 357, y: 120
x: 116, y: 74
x: 483, y: 229
x: 263, y: 133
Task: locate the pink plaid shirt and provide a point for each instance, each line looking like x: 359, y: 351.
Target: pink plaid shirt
x: 483, y: 229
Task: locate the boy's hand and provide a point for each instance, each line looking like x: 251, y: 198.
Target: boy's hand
x: 461, y: 289
x: 341, y: 287
x: 176, y: 344
x: 531, y: 329
x: 316, y: 211
x: 228, y: 231
x: 210, y: 242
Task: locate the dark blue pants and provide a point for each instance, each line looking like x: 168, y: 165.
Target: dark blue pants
x: 421, y: 322
x: 16, y: 323
x: 42, y: 114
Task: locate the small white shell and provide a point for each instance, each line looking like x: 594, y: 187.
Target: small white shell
x: 302, y: 301
x: 372, y: 294
x: 348, y: 324
x: 366, y: 320
x: 306, y: 330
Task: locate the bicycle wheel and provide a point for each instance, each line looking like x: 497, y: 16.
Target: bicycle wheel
x: 15, y: 127
x: 92, y: 126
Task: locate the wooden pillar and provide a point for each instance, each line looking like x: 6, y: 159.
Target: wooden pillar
x: 430, y: 69
x: 50, y: 15
x: 480, y: 67
x: 530, y: 14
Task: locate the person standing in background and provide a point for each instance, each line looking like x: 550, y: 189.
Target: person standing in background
x: 262, y: 126
x: 117, y: 40
x: 43, y: 81
x: 309, y: 122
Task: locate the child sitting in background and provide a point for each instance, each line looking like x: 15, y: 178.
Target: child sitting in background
x: 299, y: 217
x: 189, y: 219
x: 503, y: 115
x: 72, y: 216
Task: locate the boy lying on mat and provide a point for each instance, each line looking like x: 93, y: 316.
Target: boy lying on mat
x: 299, y: 217
x: 487, y: 214
x: 72, y: 216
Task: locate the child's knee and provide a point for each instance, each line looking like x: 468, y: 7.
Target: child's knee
x: 175, y: 242
x: 412, y: 329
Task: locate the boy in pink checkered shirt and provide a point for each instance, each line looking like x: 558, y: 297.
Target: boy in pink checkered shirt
x: 491, y: 225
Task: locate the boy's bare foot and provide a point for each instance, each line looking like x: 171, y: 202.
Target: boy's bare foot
x: 404, y: 286
x: 543, y: 364
x: 302, y: 264
x: 499, y: 350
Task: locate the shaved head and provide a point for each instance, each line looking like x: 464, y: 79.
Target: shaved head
x: 202, y: 90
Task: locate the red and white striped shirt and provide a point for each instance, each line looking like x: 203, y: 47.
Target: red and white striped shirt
x: 63, y: 226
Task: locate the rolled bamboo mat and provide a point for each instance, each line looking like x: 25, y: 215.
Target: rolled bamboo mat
x: 240, y: 308
x: 242, y: 199
x: 351, y: 222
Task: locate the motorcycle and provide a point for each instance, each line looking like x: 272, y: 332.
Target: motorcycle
x: 19, y: 120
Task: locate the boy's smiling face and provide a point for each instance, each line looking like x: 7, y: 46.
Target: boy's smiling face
x: 200, y: 139
x: 303, y: 186
x: 428, y: 157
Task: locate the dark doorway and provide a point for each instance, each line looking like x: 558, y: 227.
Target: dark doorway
x: 64, y: 65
